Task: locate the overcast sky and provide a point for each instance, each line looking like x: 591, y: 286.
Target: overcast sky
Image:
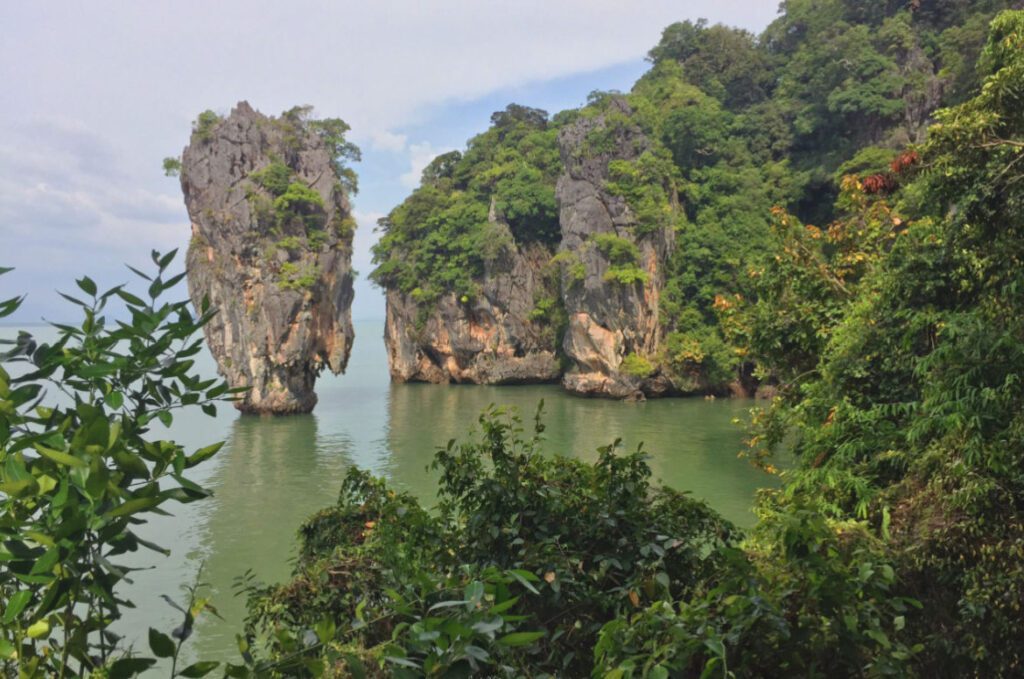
x: 96, y: 93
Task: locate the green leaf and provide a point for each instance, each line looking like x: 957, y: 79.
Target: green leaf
x: 15, y: 606
x: 46, y: 562
x: 716, y: 647
x: 517, y: 574
x: 87, y: 285
x: 161, y: 644
x: 132, y: 506
x: 504, y: 605
x: 60, y: 458
x: 199, y: 669
x: 520, y: 638
x: 73, y: 300
x: 447, y: 604
x: 355, y: 666
x: 165, y: 260
x: 125, y: 668
x: 131, y: 299
x: 203, y: 454
x: 473, y: 592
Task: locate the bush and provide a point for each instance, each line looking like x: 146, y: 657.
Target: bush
x: 440, y: 237
x: 525, y: 561
x: 292, y: 276
x: 275, y: 178
x: 203, y: 125
x: 172, y: 167
x: 636, y: 366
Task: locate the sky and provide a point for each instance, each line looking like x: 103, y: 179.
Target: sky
x: 96, y: 94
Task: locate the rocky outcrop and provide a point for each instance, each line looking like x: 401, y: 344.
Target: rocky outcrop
x: 613, y: 266
x: 271, y: 251
x: 490, y: 339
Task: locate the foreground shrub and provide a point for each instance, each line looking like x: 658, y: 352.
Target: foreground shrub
x: 526, y: 558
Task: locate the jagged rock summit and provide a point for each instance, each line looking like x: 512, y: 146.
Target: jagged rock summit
x: 271, y: 249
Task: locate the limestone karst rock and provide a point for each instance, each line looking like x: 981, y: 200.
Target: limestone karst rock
x: 615, y: 266
x: 271, y: 249
x: 490, y: 339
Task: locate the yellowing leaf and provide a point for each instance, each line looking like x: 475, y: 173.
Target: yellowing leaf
x: 39, y: 630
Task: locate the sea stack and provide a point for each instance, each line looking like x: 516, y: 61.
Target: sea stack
x: 271, y: 250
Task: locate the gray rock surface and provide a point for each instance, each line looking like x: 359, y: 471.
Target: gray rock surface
x: 490, y: 339
x: 608, y: 320
x: 283, y: 311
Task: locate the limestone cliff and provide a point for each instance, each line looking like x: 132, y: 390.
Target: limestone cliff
x: 613, y: 262
x: 271, y: 250
x: 493, y: 338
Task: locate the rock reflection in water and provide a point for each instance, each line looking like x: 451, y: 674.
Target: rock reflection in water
x: 274, y: 473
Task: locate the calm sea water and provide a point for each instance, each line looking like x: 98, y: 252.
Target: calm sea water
x: 274, y: 472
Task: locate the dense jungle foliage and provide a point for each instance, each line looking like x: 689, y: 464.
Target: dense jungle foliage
x: 896, y: 545
x: 438, y: 240
x: 739, y: 124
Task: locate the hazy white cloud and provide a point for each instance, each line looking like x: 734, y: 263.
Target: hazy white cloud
x: 376, y: 64
x: 420, y: 156
x: 384, y: 140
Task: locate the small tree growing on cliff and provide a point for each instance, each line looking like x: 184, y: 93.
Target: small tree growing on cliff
x: 332, y: 131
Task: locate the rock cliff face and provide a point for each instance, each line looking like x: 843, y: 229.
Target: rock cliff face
x: 613, y: 268
x: 271, y: 250
x: 488, y: 340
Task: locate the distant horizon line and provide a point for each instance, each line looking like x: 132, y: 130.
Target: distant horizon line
x: 46, y: 324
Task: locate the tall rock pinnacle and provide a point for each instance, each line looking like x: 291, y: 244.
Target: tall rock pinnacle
x: 271, y: 249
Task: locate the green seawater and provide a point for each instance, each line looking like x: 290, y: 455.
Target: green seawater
x: 274, y: 472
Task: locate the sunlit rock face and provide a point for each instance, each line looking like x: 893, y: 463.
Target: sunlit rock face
x: 490, y: 339
x: 608, y: 319
x: 274, y: 260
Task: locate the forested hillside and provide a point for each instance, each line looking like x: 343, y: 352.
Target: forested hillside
x: 735, y: 125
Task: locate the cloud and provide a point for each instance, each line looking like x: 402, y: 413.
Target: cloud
x: 420, y: 156
x: 384, y: 140
x: 68, y: 206
x: 376, y: 64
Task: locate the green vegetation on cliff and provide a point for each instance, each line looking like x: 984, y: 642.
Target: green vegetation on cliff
x: 438, y: 240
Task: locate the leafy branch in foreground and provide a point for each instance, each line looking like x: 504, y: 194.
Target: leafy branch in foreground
x: 81, y: 468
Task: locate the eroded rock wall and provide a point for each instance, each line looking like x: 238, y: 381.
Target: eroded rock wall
x: 608, y: 319
x: 278, y: 273
x: 491, y: 339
